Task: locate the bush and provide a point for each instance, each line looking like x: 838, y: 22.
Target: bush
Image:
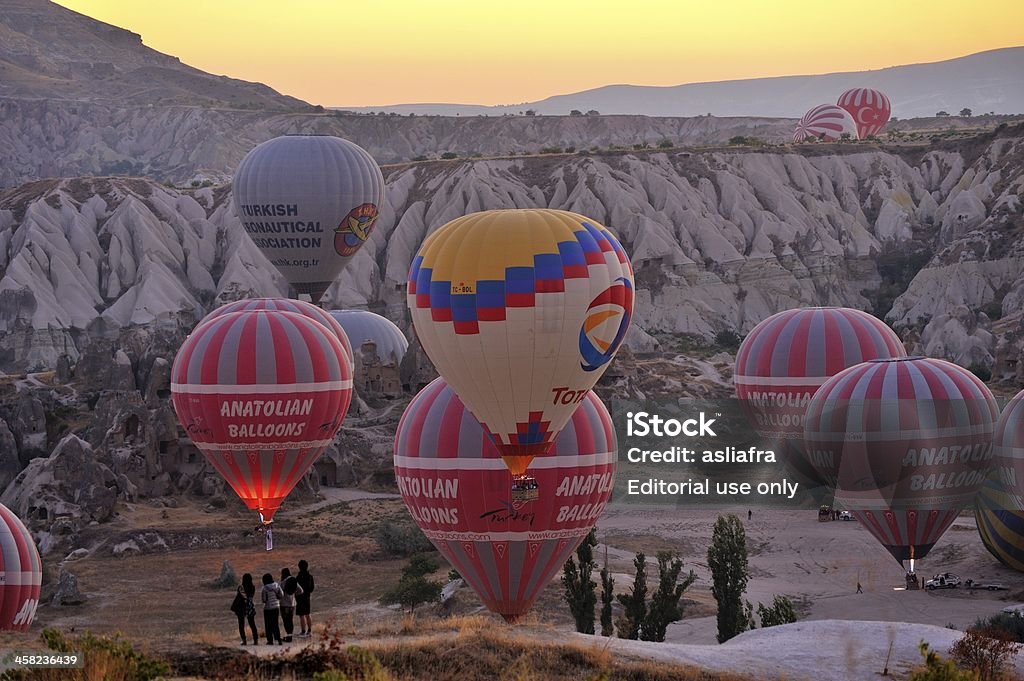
x: 419, y: 158
x: 988, y: 651
x: 449, y: 155
x: 937, y: 669
x: 1008, y: 622
x: 107, y: 657
x: 551, y: 150
x: 983, y: 373
x: 781, y: 611
x: 727, y: 339
x: 402, y: 539
x: 414, y: 588
x: 665, y: 144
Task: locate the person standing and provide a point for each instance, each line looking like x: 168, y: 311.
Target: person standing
x: 244, y: 607
x: 302, y: 605
x: 291, y: 590
x: 271, y: 597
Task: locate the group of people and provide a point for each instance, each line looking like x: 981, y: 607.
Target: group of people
x: 282, y: 601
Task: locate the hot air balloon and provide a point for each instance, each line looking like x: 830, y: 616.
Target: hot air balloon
x: 261, y: 393
x: 455, y: 485
x: 521, y: 311
x: 827, y: 122
x: 786, y: 358
x: 21, y: 573
x: 309, y: 202
x: 1000, y: 525
x: 869, y: 108
x: 386, y: 341
x: 907, y: 443
x: 298, y: 306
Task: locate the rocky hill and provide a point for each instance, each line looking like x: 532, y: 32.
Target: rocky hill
x: 986, y: 81
x: 720, y: 240
x: 50, y: 52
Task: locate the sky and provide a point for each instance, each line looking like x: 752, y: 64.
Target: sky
x: 378, y: 52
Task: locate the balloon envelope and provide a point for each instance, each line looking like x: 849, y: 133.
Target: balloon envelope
x: 907, y: 443
x: 869, y: 108
x: 261, y: 393
x: 521, y: 311
x: 454, y: 483
x: 788, y: 356
x: 362, y: 326
x: 290, y: 305
x: 21, y: 573
x: 309, y: 202
x: 1000, y: 525
x: 827, y: 122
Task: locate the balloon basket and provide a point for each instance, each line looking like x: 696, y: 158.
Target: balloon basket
x: 524, y: 488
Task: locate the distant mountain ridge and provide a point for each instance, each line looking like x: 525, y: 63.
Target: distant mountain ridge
x: 50, y: 52
x: 983, y: 82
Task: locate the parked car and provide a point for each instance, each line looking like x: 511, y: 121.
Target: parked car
x: 845, y: 515
x: 945, y: 580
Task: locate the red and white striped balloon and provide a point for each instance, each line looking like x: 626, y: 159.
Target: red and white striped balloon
x: 21, y: 573
x: 786, y: 358
x: 828, y: 122
x: 906, y: 442
x: 291, y: 305
x: 456, y: 486
x: 870, y: 109
x: 261, y: 393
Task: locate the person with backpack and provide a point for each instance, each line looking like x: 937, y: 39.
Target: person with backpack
x: 302, y: 607
x: 271, y: 597
x: 244, y: 607
x: 292, y: 590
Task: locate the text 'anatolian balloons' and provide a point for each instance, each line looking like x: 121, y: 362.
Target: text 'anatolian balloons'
x: 454, y: 483
x: 309, y: 202
x: 21, y: 573
x: 521, y: 311
x: 261, y: 393
x: 907, y: 444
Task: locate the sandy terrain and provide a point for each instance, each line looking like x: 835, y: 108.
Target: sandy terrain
x: 161, y: 596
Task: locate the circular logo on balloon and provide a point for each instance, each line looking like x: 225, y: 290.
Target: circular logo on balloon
x: 355, y: 229
x: 605, y: 325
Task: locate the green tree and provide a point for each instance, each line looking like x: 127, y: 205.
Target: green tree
x: 635, y: 602
x: 781, y: 611
x: 664, y: 608
x: 414, y: 588
x: 575, y: 112
x: 665, y: 144
x: 580, y: 589
x: 607, y: 598
x: 593, y: 112
x: 965, y: 112
x: 727, y: 559
x: 449, y: 155
x: 941, y: 114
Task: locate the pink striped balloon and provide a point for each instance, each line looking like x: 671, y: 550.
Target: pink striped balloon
x: 827, y: 122
x: 261, y: 393
x: 291, y: 305
x: 21, y: 573
x: 456, y: 486
x: 906, y: 442
x: 869, y: 108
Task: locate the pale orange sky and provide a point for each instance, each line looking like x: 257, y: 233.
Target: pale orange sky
x: 346, y: 53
